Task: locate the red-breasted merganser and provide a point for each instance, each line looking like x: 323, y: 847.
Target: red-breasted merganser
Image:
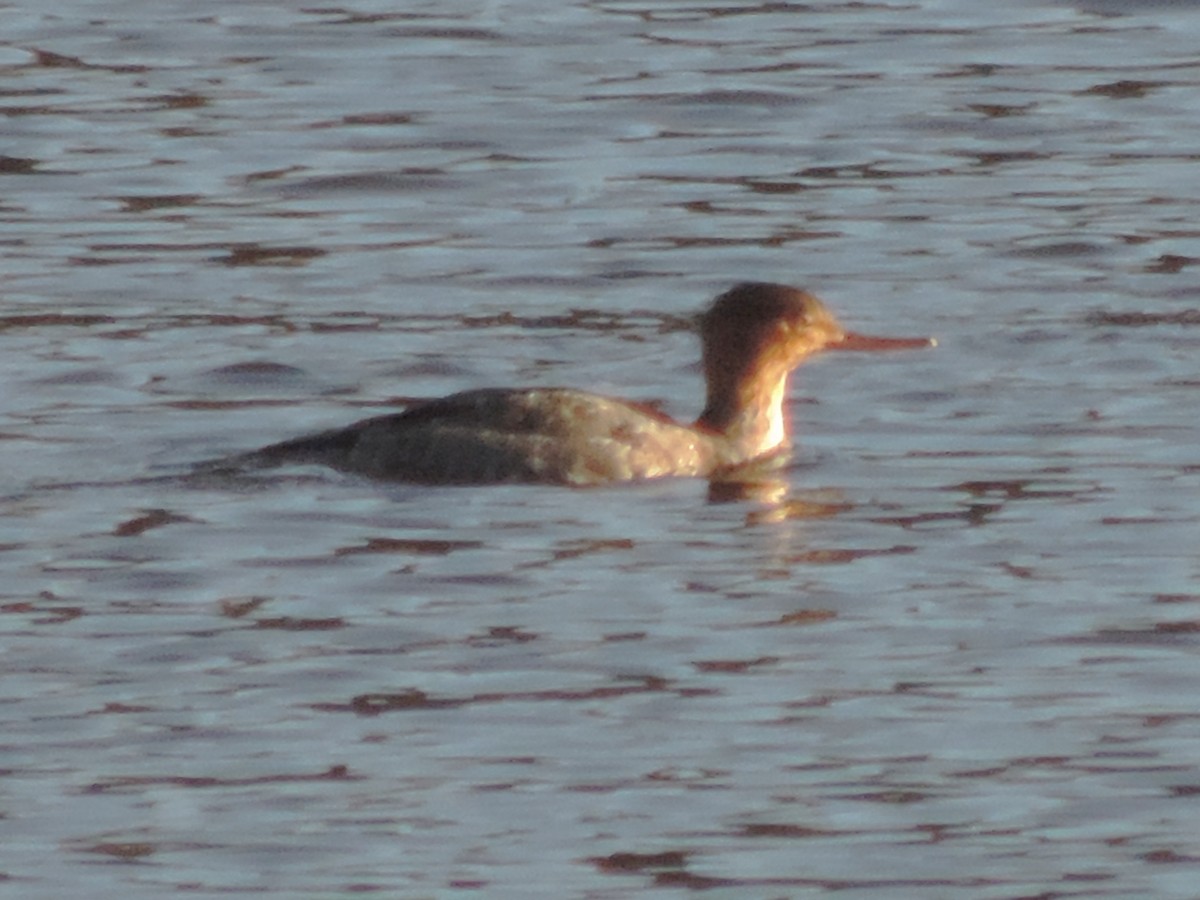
x: 753, y: 336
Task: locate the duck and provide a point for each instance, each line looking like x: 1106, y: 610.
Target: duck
x: 753, y: 336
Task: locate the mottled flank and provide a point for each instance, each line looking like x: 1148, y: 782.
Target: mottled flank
x: 556, y: 435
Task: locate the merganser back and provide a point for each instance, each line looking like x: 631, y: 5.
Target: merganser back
x: 753, y: 336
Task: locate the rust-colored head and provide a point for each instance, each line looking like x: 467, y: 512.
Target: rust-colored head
x: 754, y: 334
x: 757, y: 326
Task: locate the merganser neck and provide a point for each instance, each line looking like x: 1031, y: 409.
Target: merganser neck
x: 749, y: 415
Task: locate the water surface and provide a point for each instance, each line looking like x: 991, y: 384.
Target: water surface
x: 954, y: 655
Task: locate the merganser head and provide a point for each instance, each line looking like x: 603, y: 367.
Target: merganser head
x: 754, y: 335
x: 756, y: 326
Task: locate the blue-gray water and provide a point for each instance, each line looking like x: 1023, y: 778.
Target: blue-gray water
x: 957, y: 657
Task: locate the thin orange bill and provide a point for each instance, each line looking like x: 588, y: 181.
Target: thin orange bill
x: 854, y: 341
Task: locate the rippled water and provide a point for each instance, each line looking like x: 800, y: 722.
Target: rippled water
x: 956, y: 659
